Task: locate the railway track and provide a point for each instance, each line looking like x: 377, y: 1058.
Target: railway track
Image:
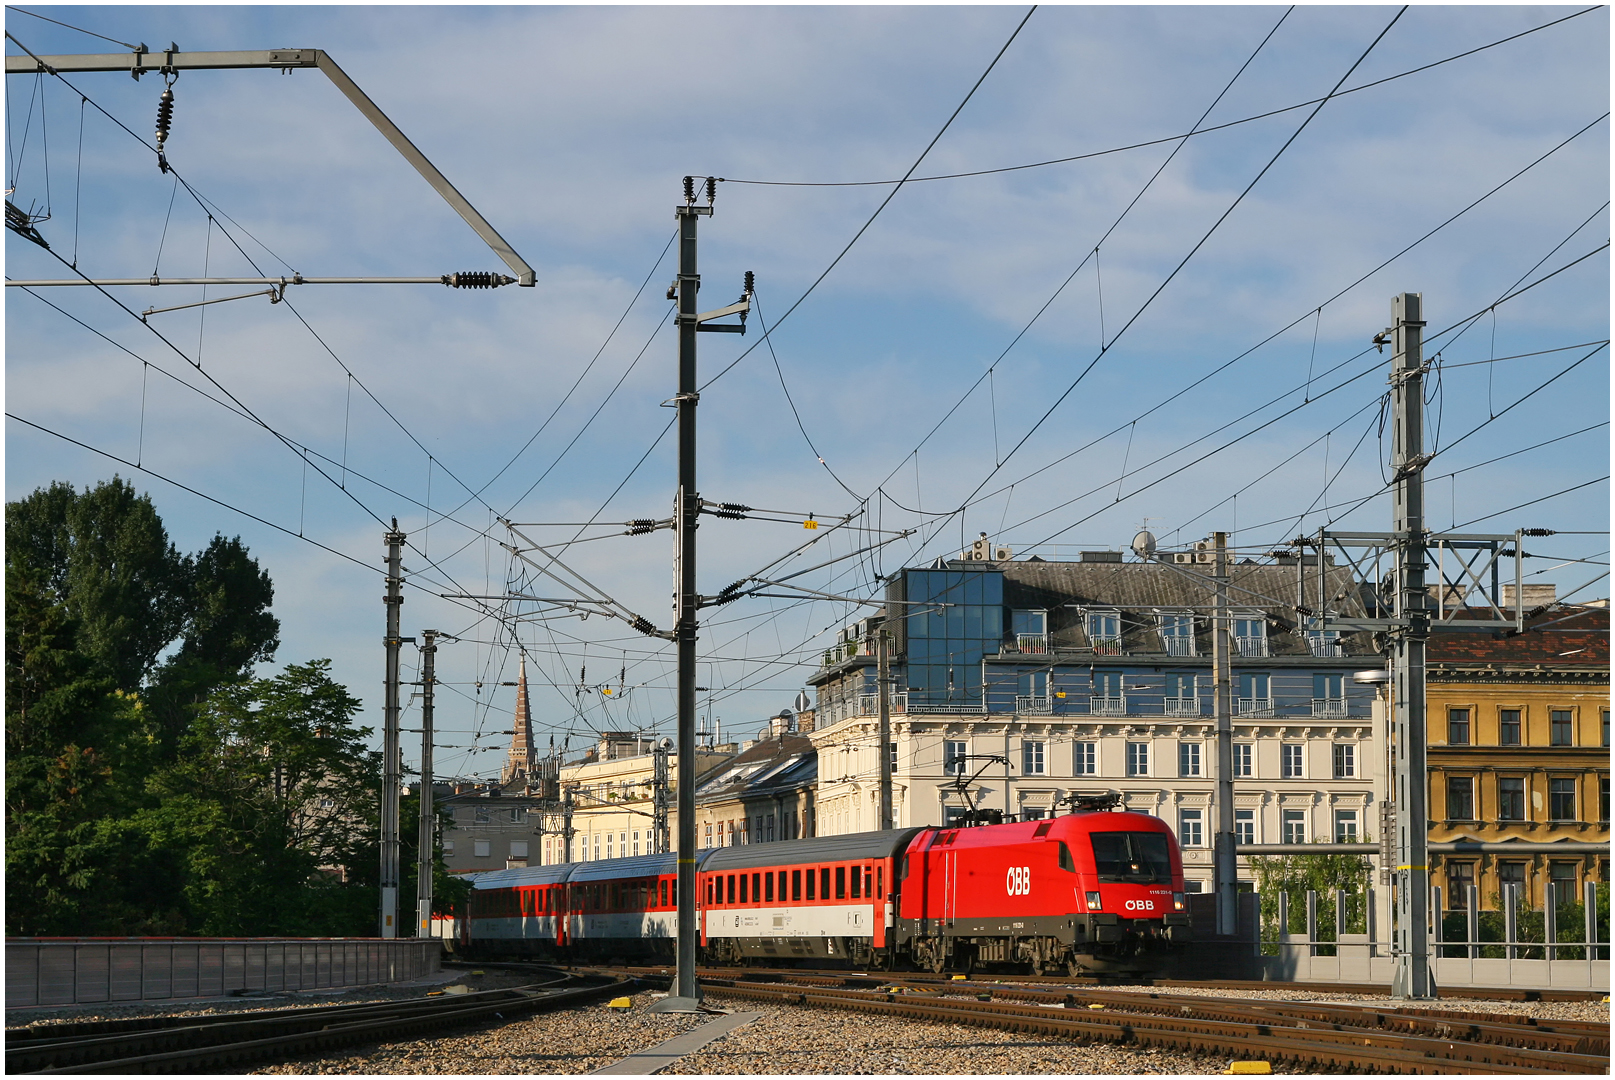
x: 195, y: 1044
x: 1328, y: 1036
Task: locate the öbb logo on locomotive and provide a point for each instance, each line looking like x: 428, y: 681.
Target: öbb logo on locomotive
x: 1110, y: 898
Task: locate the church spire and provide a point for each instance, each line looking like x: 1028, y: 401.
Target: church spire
x: 519, y: 763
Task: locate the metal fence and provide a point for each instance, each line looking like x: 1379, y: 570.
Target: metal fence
x: 51, y: 971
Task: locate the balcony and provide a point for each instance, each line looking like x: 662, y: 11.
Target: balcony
x: 1183, y: 706
x: 845, y: 650
x: 1251, y: 645
x: 1031, y: 705
x: 1327, y: 645
x: 1329, y: 708
x: 1108, y: 706
x: 1253, y: 706
x: 1178, y: 644
x: 1032, y: 643
x: 1107, y: 646
x: 947, y: 708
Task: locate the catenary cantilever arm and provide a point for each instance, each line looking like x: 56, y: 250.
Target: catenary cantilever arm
x: 139, y: 63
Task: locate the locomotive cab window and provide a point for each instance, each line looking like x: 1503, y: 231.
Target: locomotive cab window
x: 1066, y: 862
x: 841, y: 883
x: 1138, y: 858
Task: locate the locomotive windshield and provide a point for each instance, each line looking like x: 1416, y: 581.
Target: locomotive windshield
x: 1138, y: 858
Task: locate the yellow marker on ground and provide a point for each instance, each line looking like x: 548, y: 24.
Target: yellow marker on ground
x: 1249, y: 1068
x: 620, y: 1003
x: 1096, y: 1005
x: 959, y: 978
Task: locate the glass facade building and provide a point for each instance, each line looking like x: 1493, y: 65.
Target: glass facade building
x: 946, y: 642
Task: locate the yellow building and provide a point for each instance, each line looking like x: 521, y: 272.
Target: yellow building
x: 1519, y: 750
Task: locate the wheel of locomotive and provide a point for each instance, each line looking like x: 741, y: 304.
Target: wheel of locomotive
x: 1074, y: 968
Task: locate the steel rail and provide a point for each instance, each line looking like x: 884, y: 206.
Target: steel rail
x: 220, y: 1042
x: 1264, y: 1036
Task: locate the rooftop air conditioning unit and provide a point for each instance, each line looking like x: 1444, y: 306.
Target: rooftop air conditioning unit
x: 1002, y: 554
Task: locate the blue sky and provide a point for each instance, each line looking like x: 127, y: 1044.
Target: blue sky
x: 569, y: 129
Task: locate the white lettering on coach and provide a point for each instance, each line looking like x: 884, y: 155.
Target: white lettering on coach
x: 1018, y: 881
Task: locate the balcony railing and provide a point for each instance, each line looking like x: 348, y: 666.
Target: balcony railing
x: 835, y: 711
x: 1251, y: 645
x: 846, y: 650
x: 1107, y: 646
x: 1032, y: 643
x: 1253, y: 706
x: 1031, y: 705
x: 1108, y: 706
x: 1325, y: 645
x: 1329, y: 707
x: 1178, y: 644
x: 947, y: 707
x: 1183, y: 706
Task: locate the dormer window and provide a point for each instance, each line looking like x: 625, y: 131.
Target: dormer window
x: 1177, y: 632
x: 1250, y: 634
x: 1031, y: 630
x: 1105, y: 631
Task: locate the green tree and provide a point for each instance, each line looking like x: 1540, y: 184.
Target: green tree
x: 106, y: 557
x: 1295, y: 875
x: 272, y: 807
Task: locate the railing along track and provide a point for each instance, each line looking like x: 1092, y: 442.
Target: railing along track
x: 201, y: 1043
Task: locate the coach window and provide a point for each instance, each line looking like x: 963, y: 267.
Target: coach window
x: 824, y: 883
x: 841, y: 883
x: 880, y: 882
x: 731, y: 888
x: 768, y: 887
x: 743, y: 893
x: 869, y: 882
x: 757, y: 888
x: 796, y: 884
x: 784, y: 877
x: 857, y: 877
x: 812, y: 878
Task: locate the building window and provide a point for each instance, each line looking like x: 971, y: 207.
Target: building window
x: 1508, y: 727
x: 1189, y: 829
x: 1603, y: 718
x: 1561, y: 727
x: 1105, y: 632
x: 518, y: 849
x: 953, y: 757
x: 1460, y: 798
x: 1345, y: 826
x: 1511, y: 873
x: 1291, y: 756
x: 1189, y: 759
x: 1244, y: 759
x: 1106, y: 696
x: 1566, y: 876
x: 1295, y: 826
x: 1345, y: 760
x: 1085, y: 760
x: 1177, y: 634
x: 891, y: 756
x: 448, y: 847
x: 481, y: 848
x: 1032, y: 758
x: 1603, y: 799
x: 1030, y: 629
x: 1460, y: 879
x: 708, y: 842
x: 1138, y: 759
x: 1510, y: 798
x: 1244, y: 826
x: 951, y: 816
x: 1182, y: 699
x: 1328, y: 695
x: 481, y: 815
x: 1562, y: 800
x: 1255, y: 698
x: 1458, y: 727
x: 1250, y: 635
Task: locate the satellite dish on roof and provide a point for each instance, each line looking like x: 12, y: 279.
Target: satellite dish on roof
x: 1144, y: 545
x: 803, y: 702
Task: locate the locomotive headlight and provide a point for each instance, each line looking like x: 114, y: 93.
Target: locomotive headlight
x: 1093, y: 901
x: 1177, y: 901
